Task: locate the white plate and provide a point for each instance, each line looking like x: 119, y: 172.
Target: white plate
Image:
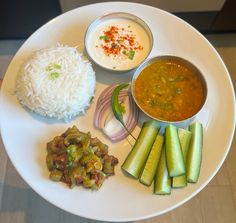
x: 120, y: 198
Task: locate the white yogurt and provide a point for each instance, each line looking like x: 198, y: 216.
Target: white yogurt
x: 118, y: 44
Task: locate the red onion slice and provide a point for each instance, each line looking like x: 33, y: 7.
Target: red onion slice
x: 106, y: 121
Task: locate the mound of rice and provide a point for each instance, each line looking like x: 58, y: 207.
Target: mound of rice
x: 56, y: 82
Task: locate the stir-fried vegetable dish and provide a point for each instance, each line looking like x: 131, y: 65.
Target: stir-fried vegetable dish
x: 76, y: 158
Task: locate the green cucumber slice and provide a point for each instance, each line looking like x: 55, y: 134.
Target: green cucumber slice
x: 194, y: 156
x: 174, y: 155
x: 184, y: 138
x: 138, y: 155
x: 162, y: 181
x: 150, y: 167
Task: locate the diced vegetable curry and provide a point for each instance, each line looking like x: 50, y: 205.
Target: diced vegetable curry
x: 169, y: 90
x: 76, y: 158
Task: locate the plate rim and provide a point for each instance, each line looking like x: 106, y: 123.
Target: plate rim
x: 196, y: 191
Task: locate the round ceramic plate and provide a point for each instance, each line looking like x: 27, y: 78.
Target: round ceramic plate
x: 25, y: 134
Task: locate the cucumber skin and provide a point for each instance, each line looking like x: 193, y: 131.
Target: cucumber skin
x: 184, y: 137
x: 174, y: 155
x: 150, y: 167
x: 138, y: 155
x: 162, y: 181
x: 194, y: 157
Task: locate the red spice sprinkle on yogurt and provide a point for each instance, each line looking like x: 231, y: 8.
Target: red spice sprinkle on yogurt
x: 119, y: 41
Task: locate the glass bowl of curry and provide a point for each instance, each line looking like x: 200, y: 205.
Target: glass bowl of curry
x: 169, y: 89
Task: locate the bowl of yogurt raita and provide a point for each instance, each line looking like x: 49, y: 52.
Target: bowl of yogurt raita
x: 118, y: 41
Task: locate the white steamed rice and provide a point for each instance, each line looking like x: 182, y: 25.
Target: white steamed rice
x: 56, y: 82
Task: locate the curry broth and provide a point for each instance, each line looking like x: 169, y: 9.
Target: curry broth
x: 169, y: 90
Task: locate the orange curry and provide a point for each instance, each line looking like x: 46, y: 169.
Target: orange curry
x: 169, y: 90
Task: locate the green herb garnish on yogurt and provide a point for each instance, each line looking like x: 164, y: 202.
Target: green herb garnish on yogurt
x: 105, y: 38
x: 131, y: 54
